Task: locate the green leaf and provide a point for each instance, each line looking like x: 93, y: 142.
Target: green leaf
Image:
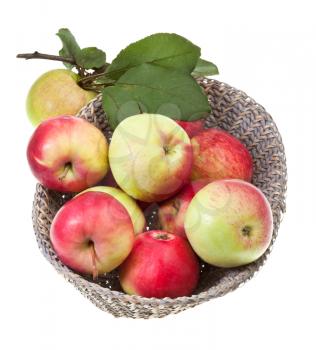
x: 88, y: 58
x: 204, y: 68
x: 70, y: 47
x: 91, y: 57
x: 153, y: 89
x: 163, y: 49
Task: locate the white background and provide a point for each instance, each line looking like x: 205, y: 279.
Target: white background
x: 267, y: 49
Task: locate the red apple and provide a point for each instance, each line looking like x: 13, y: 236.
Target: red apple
x: 92, y: 233
x: 68, y: 154
x: 192, y: 128
x: 171, y: 212
x: 219, y: 155
x: 160, y: 265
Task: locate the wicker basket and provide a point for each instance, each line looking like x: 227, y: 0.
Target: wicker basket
x: 233, y: 111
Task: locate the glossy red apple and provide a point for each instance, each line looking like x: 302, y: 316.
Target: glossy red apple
x: 219, y: 155
x: 92, y: 233
x: 171, y: 212
x: 68, y: 154
x: 160, y: 265
x: 192, y: 128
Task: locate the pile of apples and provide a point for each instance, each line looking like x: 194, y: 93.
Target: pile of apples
x: 200, y: 179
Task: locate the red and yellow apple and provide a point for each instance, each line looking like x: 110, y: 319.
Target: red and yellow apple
x: 219, y: 155
x: 129, y: 204
x: 92, y: 233
x: 150, y: 157
x: 192, y: 128
x: 172, y: 211
x: 56, y: 93
x: 160, y: 265
x: 68, y: 154
x: 229, y: 223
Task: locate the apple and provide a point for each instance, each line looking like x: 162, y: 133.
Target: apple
x: 55, y: 93
x: 68, y: 154
x: 150, y: 157
x: 229, y: 223
x: 172, y: 211
x: 92, y: 233
x: 129, y: 204
x: 160, y: 265
x: 192, y: 128
x: 219, y: 155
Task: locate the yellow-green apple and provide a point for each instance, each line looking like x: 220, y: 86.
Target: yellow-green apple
x: 160, y: 265
x: 172, y: 211
x: 150, y: 156
x: 219, y: 155
x: 55, y: 93
x: 192, y: 128
x: 229, y: 223
x: 129, y: 204
x: 92, y: 233
x: 68, y: 154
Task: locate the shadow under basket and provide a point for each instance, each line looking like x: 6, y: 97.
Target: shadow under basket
x: 240, y: 115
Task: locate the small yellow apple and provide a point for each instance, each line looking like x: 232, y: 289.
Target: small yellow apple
x: 55, y: 93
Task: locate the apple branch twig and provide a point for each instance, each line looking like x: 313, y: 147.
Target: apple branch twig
x: 38, y: 55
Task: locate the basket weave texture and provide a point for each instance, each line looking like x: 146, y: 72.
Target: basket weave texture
x: 240, y: 115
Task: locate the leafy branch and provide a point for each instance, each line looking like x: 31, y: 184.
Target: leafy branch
x: 153, y: 74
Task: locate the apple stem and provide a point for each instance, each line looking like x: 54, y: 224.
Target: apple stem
x: 94, y: 263
x: 89, y: 79
x: 65, y: 172
x: 162, y: 236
